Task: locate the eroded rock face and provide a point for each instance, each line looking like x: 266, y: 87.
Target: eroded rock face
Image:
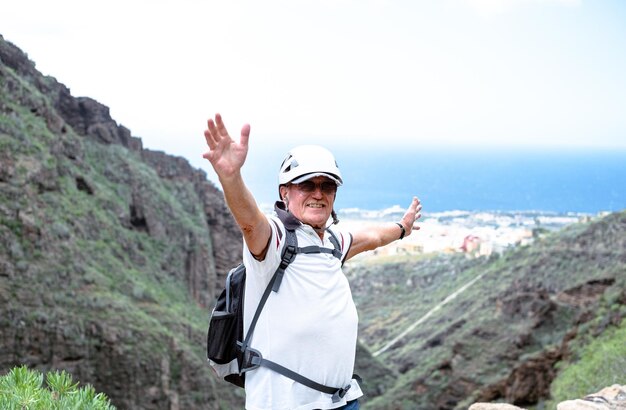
x: 97, y: 353
x: 90, y: 119
x: 585, y: 294
x: 531, y: 381
x: 90, y: 231
x: 225, y: 235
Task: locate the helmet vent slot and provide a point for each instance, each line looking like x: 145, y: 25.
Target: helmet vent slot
x: 291, y: 165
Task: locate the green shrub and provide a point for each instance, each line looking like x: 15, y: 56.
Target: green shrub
x: 23, y: 389
x: 601, y: 364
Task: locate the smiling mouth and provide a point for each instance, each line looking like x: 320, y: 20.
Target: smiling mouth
x: 315, y: 205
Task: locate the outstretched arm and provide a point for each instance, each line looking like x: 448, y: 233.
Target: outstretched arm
x: 227, y: 157
x: 383, y: 234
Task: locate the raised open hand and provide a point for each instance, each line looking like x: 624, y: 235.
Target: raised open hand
x: 225, y: 155
x: 412, y: 214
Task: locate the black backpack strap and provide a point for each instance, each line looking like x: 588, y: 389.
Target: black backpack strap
x: 336, y: 251
x: 318, y: 249
x: 288, y: 255
x: 255, y: 359
x: 244, y: 345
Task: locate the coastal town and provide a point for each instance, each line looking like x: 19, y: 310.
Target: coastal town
x: 473, y: 233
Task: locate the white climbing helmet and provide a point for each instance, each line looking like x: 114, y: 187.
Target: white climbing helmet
x: 308, y: 161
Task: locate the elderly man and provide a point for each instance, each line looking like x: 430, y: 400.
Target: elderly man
x: 310, y: 325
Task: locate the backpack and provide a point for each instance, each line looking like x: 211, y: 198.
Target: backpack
x: 228, y: 352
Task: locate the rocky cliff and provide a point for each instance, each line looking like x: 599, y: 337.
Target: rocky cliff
x: 109, y: 252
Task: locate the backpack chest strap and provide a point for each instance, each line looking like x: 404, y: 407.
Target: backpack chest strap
x: 291, y: 249
x: 319, y: 249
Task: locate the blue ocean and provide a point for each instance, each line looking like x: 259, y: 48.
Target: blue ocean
x: 561, y: 181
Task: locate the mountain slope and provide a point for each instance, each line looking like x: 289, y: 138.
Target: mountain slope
x: 109, y: 253
x: 502, y: 337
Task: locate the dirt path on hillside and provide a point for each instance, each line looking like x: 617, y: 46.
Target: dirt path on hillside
x: 428, y: 314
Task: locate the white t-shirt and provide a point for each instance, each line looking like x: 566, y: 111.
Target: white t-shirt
x: 309, y: 326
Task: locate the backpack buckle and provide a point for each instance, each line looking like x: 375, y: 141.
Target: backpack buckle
x: 339, y: 394
x: 288, y: 255
x: 251, y: 359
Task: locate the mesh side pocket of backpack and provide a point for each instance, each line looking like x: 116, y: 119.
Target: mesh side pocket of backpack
x: 226, y: 324
x: 224, y: 328
x: 222, y: 353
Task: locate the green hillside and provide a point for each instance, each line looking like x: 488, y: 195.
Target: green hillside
x: 508, y: 335
x: 107, y: 267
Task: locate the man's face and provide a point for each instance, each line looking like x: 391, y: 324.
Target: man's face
x: 311, y: 201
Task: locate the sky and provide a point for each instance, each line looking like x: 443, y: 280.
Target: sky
x: 367, y: 73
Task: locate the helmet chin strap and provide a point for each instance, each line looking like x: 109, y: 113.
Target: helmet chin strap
x: 333, y: 214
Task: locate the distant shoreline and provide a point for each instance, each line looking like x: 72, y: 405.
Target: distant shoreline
x: 472, y: 233
x: 475, y: 233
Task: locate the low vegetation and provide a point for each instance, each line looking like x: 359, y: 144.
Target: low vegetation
x: 22, y: 388
x: 596, y: 363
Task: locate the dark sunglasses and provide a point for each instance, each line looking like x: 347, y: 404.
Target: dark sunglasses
x: 327, y: 187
